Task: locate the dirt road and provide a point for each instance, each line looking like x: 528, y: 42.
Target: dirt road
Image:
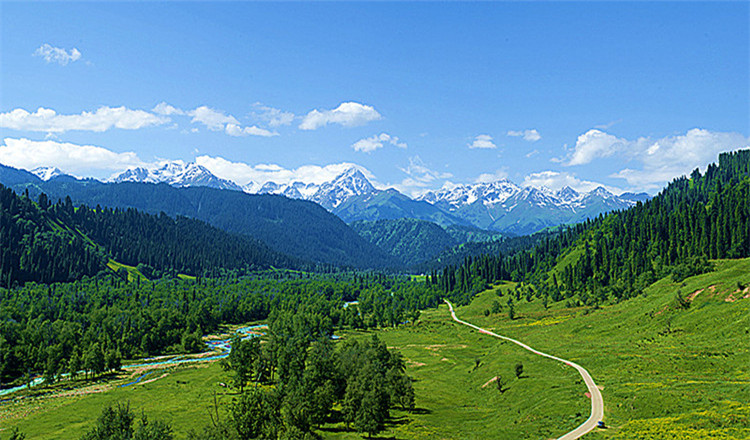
x: 597, y: 403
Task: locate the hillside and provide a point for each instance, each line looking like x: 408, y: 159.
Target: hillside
x: 666, y: 371
x: 706, y: 216
x: 411, y: 241
x: 36, y: 246
x: 294, y: 227
x: 391, y: 204
x: 48, y: 243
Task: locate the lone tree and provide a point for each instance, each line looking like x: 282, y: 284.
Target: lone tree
x: 500, y: 384
x: 511, y: 309
x: 519, y: 370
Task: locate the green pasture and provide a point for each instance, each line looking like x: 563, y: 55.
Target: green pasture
x: 667, y: 371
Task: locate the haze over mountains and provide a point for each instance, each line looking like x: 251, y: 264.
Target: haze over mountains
x: 501, y: 205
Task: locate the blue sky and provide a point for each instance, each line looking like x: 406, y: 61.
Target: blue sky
x: 628, y: 95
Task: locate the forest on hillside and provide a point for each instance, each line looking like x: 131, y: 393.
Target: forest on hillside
x: 46, y: 242
x: 697, y: 218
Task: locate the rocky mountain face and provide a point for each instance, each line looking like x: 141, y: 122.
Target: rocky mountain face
x: 46, y: 173
x: 505, y: 207
x: 500, y: 206
x: 177, y: 174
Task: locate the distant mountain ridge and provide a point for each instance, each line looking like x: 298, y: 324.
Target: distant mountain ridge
x: 177, y: 174
x: 500, y: 205
x: 300, y: 229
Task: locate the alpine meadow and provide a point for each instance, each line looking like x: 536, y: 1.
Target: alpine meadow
x: 381, y: 220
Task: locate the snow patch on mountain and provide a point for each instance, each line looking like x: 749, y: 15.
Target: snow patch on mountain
x: 176, y: 173
x: 47, y: 173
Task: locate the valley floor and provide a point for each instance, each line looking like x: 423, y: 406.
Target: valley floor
x: 666, y: 372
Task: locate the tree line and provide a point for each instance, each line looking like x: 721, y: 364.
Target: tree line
x: 91, y: 325
x: 705, y: 216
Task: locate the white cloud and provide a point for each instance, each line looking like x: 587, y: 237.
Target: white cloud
x: 556, y: 180
x: 57, y: 55
x: 70, y: 158
x: 596, y: 144
x: 372, y: 143
x: 236, y: 130
x: 215, y: 120
x: 165, y: 109
x: 483, y: 141
x: 528, y: 135
x: 661, y: 160
x: 420, y: 177
x: 272, y: 116
x: 243, y: 173
x: 348, y: 114
x: 500, y: 174
x: 103, y: 119
x: 674, y: 156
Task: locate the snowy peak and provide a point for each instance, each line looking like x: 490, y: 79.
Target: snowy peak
x: 568, y: 194
x: 600, y: 191
x: 176, y: 173
x: 47, y: 173
x: 350, y: 183
x: 456, y: 196
x: 541, y: 197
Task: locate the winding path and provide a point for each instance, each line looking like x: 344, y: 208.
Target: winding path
x: 597, y: 403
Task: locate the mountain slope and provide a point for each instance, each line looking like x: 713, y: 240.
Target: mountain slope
x: 294, y: 227
x: 706, y: 216
x: 176, y: 174
x: 506, y: 207
x: 411, y: 241
x: 48, y: 243
x: 391, y: 204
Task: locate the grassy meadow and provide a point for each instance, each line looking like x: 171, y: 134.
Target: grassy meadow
x: 667, y: 371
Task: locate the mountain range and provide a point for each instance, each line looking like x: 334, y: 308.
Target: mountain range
x: 499, y: 206
x: 298, y: 228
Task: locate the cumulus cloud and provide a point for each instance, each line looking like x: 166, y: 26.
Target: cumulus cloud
x: 243, y: 173
x: 165, y: 109
x: 70, y: 158
x: 103, y: 119
x: 214, y: 120
x: 527, y: 135
x: 661, y: 160
x: 271, y: 116
x: 236, y: 130
x: 666, y: 158
x: 57, y: 55
x: 596, y: 144
x: 482, y: 141
x: 556, y: 180
x: 372, y: 143
x: 500, y: 174
x: 348, y: 114
x: 420, y: 177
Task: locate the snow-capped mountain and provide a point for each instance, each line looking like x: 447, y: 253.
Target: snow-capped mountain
x: 295, y: 190
x: 455, y: 197
x: 501, y: 205
x: 348, y: 184
x: 46, y: 173
x: 178, y: 174
x: 506, y: 207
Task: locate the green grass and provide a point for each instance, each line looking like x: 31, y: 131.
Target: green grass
x: 133, y: 273
x: 183, y: 398
x: 666, y: 372
x: 451, y: 400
